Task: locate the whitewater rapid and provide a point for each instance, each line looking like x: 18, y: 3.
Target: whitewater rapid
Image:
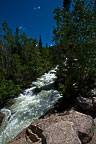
x: 29, y: 106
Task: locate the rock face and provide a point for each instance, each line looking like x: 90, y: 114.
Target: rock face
x: 32, y: 134
x: 93, y: 141
x: 62, y: 132
x: 2, y: 116
x: 84, y: 125
x: 70, y: 128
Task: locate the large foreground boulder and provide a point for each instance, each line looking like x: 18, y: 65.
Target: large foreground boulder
x: 70, y: 128
x: 83, y: 123
x: 93, y: 141
x: 62, y: 132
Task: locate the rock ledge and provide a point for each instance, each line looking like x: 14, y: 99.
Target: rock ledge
x: 71, y: 128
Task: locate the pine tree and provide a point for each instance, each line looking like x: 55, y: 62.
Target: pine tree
x: 9, y: 45
x: 17, y: 43
x: 40, y: 44
x: 46, y: 45
x: 76, y: 36
x: 66, y: 4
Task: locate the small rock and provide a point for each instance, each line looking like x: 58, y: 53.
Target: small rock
x: 94, y: 102
x: 95, y: 122
x: 2, y: 116
x: 33, y: 137
x: 85, y: 103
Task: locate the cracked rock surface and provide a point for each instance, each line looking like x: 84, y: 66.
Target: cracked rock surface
x: 66, y: 128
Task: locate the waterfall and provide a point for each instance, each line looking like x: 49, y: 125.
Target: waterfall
x: 29, y: 106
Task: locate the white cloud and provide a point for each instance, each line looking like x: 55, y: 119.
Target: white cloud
x: 37, y: 8
x: 20, y: 27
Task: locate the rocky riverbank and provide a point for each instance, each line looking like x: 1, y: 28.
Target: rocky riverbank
x: 68, y: 127
x: 66, y: 123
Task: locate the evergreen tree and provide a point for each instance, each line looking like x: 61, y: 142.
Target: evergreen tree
x: 66, y: 4
x: 8, y: 45
x: 40, y: 44
x: 75, y: 34
x: 17, y: 43
x: 46, y: 45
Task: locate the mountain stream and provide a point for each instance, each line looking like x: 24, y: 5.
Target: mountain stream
x: 29, y: 106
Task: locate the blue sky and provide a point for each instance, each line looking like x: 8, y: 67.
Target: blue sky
x: 34, y: 17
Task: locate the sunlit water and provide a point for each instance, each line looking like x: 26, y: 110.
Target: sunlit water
x: 29, y: 106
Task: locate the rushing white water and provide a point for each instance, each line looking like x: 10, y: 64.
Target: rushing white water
x: 29, y: 106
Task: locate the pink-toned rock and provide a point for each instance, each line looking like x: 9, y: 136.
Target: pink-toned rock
x: 83, y: 123
x: 70, y: 128
x: 30, y: 135
x: 93, y: 141
x: 62, y: 132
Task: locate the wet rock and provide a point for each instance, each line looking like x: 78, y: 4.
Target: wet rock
x: 33, y: 137
x: 30, y: 135
x: 2, y: 116
x: 20, y: 139
x: 46, y: 87
x: 85, y: 103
